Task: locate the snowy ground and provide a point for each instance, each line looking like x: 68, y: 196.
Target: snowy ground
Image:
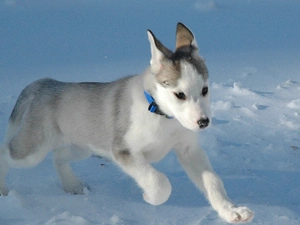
x: 252, y: 49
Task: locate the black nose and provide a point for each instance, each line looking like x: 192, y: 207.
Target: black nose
x: 203, y: 122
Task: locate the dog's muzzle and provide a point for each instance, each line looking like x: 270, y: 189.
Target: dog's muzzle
x: 203, y: 122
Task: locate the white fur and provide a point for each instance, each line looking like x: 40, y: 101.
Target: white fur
x: 196, y: 106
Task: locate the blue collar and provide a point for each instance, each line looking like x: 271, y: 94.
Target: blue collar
x: 153, y: 107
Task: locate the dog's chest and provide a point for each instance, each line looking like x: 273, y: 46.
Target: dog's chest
x: 157, y: 149
x: 154, y: 141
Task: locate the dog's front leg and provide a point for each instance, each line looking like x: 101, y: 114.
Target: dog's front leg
x: 198, y: 168
x: 155, y: 185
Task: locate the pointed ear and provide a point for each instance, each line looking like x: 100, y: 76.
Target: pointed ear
x: 184, y: 37
x: 158, y: 52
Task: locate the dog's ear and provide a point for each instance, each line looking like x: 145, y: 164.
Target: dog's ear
x: 158, y: 53
x: 184, y: 37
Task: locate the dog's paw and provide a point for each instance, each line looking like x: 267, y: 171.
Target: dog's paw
x: 237, y: 215
x: 3, y: 192
x: 78, y: 189
x: 159, y: 192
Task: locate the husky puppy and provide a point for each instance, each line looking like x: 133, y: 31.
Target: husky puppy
x: 133, y: 121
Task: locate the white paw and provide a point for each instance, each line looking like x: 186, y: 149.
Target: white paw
x: 78, y: 189
x: 237, y: 215
x: 159, y: 191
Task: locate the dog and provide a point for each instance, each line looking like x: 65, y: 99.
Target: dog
x: 133, y: 121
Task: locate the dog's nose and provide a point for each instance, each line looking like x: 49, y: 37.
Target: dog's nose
x: 203, y: 122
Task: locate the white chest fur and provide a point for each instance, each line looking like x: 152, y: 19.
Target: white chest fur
x: 153, y: 135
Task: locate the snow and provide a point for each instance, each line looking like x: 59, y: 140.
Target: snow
x: 252, y: 50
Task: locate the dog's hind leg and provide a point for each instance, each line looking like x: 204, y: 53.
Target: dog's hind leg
x: 4, y: 154
x: 16, y: 151
x: 19, y: 154
x: 4, y: 168
x: 62, y: 158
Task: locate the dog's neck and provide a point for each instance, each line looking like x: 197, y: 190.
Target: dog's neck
x: 154, y: 107
x: 148, y: 85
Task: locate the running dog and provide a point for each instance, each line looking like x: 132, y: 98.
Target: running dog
x: 133, y: 121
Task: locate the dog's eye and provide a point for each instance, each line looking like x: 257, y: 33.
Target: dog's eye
x: 180, y: 95
x: 204, y: 91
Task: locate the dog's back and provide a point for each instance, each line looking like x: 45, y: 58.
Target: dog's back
x: 51, y: 111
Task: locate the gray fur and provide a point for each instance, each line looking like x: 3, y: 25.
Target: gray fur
x: 36, y: 100
x: 171, y: 63
x: 121, y: 124
x: 46, y: 98
x: 186, y: 50
x: 73, y: 120
x: 187, y: 53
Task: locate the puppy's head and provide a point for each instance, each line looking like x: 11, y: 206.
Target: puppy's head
x: 181, y: 80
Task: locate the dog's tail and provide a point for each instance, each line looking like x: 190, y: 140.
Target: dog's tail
x: 24, y: 100
x: 22, y: 105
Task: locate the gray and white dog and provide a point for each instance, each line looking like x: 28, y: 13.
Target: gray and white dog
x: 133, y: 121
